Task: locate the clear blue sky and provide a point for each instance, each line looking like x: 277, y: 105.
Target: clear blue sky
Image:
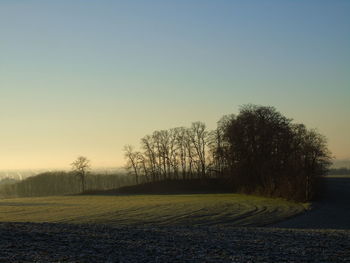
x: 87, y: 77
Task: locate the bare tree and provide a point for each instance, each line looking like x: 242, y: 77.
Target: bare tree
x: 198, y: 136
x: 148, y: 145
x: 180, y: 137
x: 133, y: 160
x: 173, y: 153
x: 81, y: 166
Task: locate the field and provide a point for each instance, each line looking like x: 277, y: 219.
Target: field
x: 172, y: 228
x: 194, y: 209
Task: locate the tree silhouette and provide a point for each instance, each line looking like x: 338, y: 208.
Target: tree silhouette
x: 81, y: 166
x: 257, y: 151
x: 133, y: 162
x: 272, y: 156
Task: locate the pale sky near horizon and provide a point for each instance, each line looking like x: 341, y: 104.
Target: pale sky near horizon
x: 87, y: 77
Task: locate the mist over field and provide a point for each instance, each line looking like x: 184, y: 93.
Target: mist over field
x: 21, y: 174
x: 345, y: 163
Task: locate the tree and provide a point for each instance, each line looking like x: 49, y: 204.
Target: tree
x: 81, y: 166
x: 198, y: 137
x: 219, y: 147
x: 257, y: 151
x: 311, y: 159
x: 272, y: 156
x: 180, y: 142
x: 149, y: 147
x: 259, y: 139
x: 132, y: 160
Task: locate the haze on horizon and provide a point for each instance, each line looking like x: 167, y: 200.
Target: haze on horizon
x: 86, y: 78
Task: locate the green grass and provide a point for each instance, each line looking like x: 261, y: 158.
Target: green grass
x: 195, y: 209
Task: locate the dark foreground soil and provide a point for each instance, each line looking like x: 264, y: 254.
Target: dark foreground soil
x: 29, y: 242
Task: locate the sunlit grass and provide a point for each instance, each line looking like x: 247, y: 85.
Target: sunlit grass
x: 195, y: 209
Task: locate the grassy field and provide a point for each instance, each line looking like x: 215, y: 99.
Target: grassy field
x: 195, y: 209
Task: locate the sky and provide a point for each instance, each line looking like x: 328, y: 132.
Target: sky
x: 88, y: 77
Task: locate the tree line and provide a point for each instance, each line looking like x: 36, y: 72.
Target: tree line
x: 258, y: 151
x: 170, y: 154
x: 60, y: 183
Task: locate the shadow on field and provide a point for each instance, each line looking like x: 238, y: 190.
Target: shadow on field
x: 332, y: 211
x: 173, y: 187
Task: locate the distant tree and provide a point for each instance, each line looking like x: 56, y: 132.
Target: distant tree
x: 61, y: 183
x: 80, y: 167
